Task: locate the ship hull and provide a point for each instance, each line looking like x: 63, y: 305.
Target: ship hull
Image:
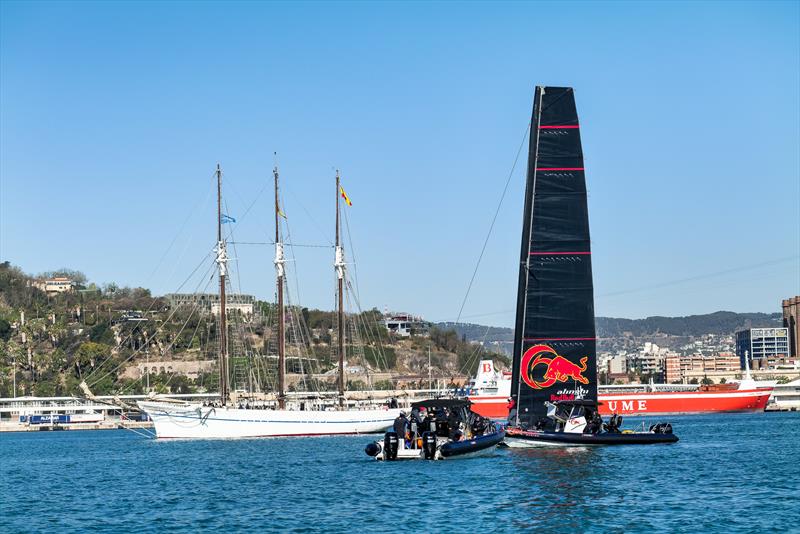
x: 195, y: 421
x: 696, y: 402
x: 523, y: 439
x: 652, y: 403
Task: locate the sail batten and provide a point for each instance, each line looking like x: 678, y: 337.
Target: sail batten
x: 554, y: 349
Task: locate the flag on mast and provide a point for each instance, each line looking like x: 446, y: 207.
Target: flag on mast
x: 227, y: 219
x: 344, y: 196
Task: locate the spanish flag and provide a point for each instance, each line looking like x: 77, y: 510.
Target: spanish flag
x: 344, y: 196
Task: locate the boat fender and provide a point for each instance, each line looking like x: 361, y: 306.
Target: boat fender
x: 390, y: 446
x: 373, y: 449
x: 429, y: 445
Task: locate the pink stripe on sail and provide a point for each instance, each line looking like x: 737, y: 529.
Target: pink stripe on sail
x: 570, y: 126
x: 560, y: 169
x: 558, y: 253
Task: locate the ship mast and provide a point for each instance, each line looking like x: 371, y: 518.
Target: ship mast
x: 222, y: 264
x: 279, y: 272
x: 339, y: 266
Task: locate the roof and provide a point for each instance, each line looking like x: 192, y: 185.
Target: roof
x: 442, y: 403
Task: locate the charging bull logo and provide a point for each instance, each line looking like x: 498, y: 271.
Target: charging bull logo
x: 557, y: 368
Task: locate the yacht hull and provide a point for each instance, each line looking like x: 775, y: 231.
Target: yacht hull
x: 517, y: 438
x: 194, y: 421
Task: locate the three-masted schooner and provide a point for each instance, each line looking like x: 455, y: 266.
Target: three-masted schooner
x: 225, y: 419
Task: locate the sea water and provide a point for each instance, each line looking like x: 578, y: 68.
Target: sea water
x: 729, y: 473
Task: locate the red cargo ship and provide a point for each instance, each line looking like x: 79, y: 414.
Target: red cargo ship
x: 491, y: 390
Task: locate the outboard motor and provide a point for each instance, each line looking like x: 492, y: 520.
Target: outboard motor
x: 429, y: 445
x: 390, y: 446
x: 661, y: 428
x: 373, y: 449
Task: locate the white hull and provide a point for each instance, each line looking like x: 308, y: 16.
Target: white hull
x: 516, y: 443
x: 194, y: 421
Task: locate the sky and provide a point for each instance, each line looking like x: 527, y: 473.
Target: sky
x: 114, y: 115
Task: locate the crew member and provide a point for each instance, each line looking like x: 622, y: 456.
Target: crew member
x: 512, y: 410
x: 400, y: 426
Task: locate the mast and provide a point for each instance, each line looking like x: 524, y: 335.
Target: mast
x: 279, y: 272
x: 527, y: 228
x: 339, y: 266
x: 222, y: 264
x: 554, y: 339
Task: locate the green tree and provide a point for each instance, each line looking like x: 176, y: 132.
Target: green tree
x: 5, y: 330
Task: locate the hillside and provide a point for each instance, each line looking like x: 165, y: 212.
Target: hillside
x: 719, y: 323
x: 107, y: 336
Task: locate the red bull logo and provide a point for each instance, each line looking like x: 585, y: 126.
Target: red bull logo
x: 557, y: 368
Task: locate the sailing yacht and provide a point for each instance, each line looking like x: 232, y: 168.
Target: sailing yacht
x: 228, y: 419
x: 554, y: 374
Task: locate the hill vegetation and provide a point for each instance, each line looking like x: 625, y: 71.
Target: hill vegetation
x: 49, y: 342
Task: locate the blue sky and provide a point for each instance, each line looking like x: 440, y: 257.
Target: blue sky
x: 113, y: 116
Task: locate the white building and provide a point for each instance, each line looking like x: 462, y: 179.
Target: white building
x: 58, y: 284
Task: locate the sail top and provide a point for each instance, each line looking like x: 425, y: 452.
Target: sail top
x: 554, y: 346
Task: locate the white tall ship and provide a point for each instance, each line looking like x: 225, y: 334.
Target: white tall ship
x: 233, y: 417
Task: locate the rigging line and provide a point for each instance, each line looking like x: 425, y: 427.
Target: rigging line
x: 241, y: 199
x: 478, y: 348
x: 129, y: 336
x: 311, y: 217
x: 191, y: 338
x: 701, y: 277
x: 494, y: 219
x: 273, y: 242
x: 134, y: 353
x: 180, y: 231
x: 352, y: 251
x: 366, y: 329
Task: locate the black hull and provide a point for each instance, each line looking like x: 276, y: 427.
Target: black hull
x: 605, y: 438
x: 470, y: 446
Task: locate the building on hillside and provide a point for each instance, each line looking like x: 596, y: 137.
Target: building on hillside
x: 243, y: 308
x: 672, y: 368
x: 209, y: 302
x: 765, y: 347
x: 791, y: 321
x: 405, y: 324
x: 618, y: 365
x: 681, y: 367
x: 650, y: 360
x: 58, y: 284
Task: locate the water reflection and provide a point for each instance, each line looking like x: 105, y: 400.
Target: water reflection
x: 555, y: 486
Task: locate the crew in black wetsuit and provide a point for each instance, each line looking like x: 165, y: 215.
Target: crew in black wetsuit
x: 400, y: 426
x: 429, y: 423
x: 452, y: 425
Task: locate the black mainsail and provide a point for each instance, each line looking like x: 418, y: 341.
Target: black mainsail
x: 554, y: 339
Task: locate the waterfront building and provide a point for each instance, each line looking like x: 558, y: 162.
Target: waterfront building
x: 766, y: 347
x: 791, y: 321
x: 209, y: 303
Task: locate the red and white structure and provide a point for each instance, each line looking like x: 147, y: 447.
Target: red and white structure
x: 491, y: 389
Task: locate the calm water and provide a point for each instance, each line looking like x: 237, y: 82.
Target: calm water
x: 731, y: 473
